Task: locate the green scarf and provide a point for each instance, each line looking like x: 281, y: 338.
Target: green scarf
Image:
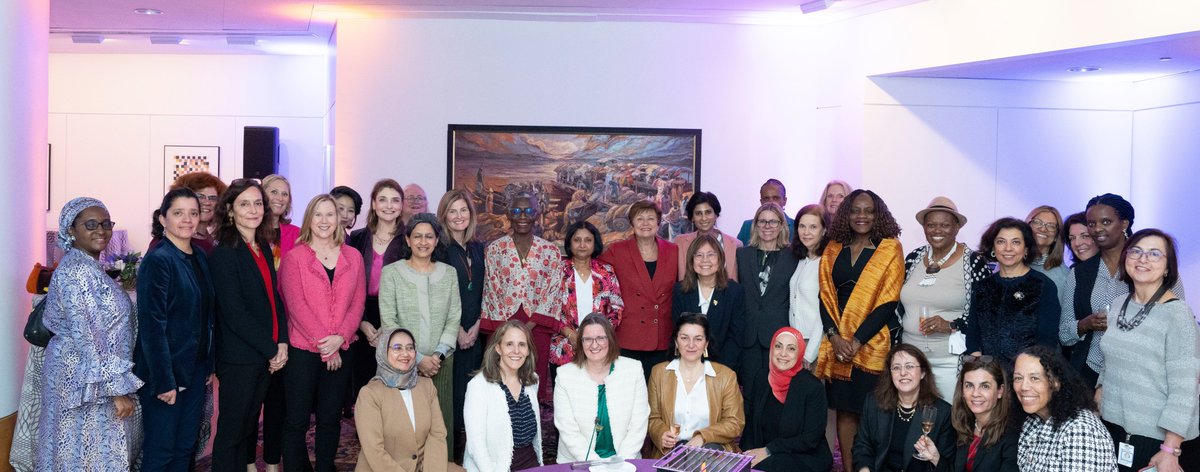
x: 604, y: 437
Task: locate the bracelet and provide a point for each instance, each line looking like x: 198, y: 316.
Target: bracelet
x: 1174, y: 451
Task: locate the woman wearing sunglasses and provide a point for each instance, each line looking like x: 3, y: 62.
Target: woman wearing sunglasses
x: 523, y: 281
x: 987, y: 436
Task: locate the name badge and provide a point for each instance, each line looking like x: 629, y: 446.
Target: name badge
x: 1125, y: 454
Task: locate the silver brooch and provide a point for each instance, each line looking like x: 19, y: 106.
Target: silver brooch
x: 1019, y: 295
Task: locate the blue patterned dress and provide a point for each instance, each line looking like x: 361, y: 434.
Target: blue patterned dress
x: 88, y: 362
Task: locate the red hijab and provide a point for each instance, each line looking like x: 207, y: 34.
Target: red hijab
x: 780, y: 380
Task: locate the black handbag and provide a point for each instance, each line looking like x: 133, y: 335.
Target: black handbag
x: 35, y: 331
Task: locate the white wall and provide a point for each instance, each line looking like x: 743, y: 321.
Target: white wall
x: 111, y: 115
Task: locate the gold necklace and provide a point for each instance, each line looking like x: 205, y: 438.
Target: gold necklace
x: 905, y: 415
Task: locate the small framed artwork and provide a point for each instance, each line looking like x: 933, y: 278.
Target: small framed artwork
x: 179, y: 160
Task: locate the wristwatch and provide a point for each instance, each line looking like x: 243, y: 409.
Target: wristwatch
x: 831, y: 332
x: 441, y: 357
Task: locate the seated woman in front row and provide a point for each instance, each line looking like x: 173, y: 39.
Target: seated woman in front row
x: 698, y: 396
x: 891, y: 423
x: 399, y: 421
x: 785, y: 429
x: 987, y: 436
x: 503, y: 425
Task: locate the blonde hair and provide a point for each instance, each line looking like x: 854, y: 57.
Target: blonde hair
x: 270, y: 179
x: 306, y: 232
x: 785, y: 234
x: 443, y: 210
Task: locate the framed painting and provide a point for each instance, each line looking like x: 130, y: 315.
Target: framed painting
x: 179, y: 160
x: 575, y: 173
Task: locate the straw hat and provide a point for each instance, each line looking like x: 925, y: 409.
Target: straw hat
x: 942, y: 204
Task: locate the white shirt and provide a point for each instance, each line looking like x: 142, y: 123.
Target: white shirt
x: 705, y: 302
x: 691, y: 409
x: 583, y: 296
x: 406, y: 394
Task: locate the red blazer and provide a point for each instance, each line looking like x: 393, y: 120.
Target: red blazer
x: 646, y: 323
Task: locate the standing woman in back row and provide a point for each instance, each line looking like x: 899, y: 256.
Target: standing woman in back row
x: 862, y: 272
x: 252, y: 333
x: 765, y: 269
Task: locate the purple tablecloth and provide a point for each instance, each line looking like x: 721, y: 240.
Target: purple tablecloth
x: 643, y: 465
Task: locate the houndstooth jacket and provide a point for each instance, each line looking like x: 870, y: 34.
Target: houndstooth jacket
x: 1080, y: 444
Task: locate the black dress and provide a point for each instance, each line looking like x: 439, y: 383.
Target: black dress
x: 849, y: 395
x: 794, y: 431
x: 469, y: 263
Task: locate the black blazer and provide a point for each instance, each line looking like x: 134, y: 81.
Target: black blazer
x: 768, y: 312
x: 244, y: 311
x: 170, y: 313
x: 725, y: 314
x: 875, y: 435
x: 801, y: 425
x: 361, y: 239
x: 999, y: 457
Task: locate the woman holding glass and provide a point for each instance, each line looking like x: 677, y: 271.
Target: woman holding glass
x: 987, y: 433
x: 904, y: 412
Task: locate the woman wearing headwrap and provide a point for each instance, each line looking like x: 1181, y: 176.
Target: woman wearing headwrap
x: 785, y: 427
x: 398, y: 419
x: 1094, y: 283
x: 88, y: 419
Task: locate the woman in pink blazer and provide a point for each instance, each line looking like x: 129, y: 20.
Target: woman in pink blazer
x: 323, y: 286
x: 703, y: 209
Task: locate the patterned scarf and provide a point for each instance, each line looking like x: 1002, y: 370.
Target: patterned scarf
x: 66, y: 218
x: 391, y: 376
x: 879, y: 283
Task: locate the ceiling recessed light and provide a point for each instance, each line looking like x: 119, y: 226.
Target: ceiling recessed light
x: 1165, y: 58
x: 86, y: 38
x: 1084, y: 69
x: 147, y: 11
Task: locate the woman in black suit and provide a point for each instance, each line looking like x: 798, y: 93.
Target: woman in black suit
x: 987, y: 436
x: 785, y: 425
x: 765, y: 269
x: 891, y: 421
x: 251, y: 335
x: 707, y: 289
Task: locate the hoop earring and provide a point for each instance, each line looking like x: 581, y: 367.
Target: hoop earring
x: 993, y: 253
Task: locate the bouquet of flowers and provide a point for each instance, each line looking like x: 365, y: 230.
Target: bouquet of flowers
x: 126, y: 266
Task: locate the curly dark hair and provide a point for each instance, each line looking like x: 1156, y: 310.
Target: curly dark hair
x: 988, y: 240
x: 197, y: 181
x: 703, y: 197
x: 885, y: 225
x: 1068, y: 395
x: 597, y: 241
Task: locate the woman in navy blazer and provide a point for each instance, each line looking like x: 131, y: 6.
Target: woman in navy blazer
x: 707, y: 289
x: 173, y: 353
x: 252, y: 335
x: 765, y: 269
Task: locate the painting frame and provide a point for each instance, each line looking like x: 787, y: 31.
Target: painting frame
x: 182, y: 159
x: 576, y: 172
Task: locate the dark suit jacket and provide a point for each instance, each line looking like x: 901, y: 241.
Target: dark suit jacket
x: 999, y: 457
x: 361, y: 239
x: 875, y: 435
x: 801, y: 426
x: 768, y: 312
x: 725, y: 314
x: 169, y: 318
x: 244, y: 311
x: 646, y: 323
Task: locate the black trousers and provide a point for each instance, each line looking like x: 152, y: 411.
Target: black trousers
x: 274, y: 410
x: 240, y: 395
x: 313, y: 388
x: 1143, y: 447
x: 649, y: 359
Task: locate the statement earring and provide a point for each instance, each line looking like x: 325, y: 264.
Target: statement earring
x: 993, y: 253
x: 705, y: 352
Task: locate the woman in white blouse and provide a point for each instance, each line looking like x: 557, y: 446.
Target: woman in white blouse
x: 600, y: 406
x: 503, y: 426
x: 808, y: 242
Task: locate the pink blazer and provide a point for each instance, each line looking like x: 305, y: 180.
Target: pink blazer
x: 317, y: 308
x: 729, y: 245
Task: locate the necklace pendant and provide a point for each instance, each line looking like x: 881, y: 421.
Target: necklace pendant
x: 470, y: 285
x: 928, y: 280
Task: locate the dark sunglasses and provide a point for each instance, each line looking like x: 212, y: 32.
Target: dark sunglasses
x: 92, y: 225
x: 972, y: 358
x: 528, y: 211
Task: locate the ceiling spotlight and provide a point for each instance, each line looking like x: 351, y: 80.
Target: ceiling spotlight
x: 811, y: 6
x: 147, y: 11
x: 1165, y: 58
x: 87, y: 38
x: 241, y: 40
x: 1084, y: 69
x: 166, y: 39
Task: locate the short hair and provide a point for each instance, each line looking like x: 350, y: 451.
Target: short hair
x: 614, y: 351
x: 597, y: 245
x: 784, y: 231
x: 697, y: 319
x: 885, y: 224
x: 433, y: 223
x: 527, y: 196
x: 1171, y: 276
x: 798, y: 248
x: 1071, y: 395
x: 372, y: 218
x: 266, y: 182
x: 227, y: 233
x: 157, y: 231
x: 1122, y: 206
x: 998, y: 419
x: 987, y: 243
x: 1065, y: 235
x: 640, y: 206
x: 306, y: 230
x: 491, y: 359
x: 198, y: 181
x: 703, y: 197
x: 443, y: 212
x: 776, y: 182
x: 344, y: 191
x: 886, y: 395
x: 690, y: 278
x: 1055, y: 258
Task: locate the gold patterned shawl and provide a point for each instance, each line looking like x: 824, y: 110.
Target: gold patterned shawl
x: 879, y: 283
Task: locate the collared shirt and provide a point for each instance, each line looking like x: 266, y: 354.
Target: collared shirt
x: 691, y: 408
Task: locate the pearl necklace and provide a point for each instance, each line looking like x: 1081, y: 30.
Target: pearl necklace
x: 932, y: 268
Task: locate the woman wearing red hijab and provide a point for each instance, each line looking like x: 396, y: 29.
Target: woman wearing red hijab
x: 785, y: 426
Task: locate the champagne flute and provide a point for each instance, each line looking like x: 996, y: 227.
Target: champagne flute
x: 921, y: 319
x: 928, y: 416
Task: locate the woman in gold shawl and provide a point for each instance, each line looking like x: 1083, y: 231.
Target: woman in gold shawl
x: 862, y: 270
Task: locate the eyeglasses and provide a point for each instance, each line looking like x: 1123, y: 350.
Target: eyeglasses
x: 414, y: 198
x: 400, y: 347
x: 969, y: 358
x: 207, y: 198
x: 596, y: 340
x: 769, y: 223
x: 1039, y: 224
x: 516, y: 212
x: 1135, y: 253
x: 906, y: 368
x: 93, y: 225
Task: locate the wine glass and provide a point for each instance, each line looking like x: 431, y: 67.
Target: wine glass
x: 928, y: 416
x: 924, y: 315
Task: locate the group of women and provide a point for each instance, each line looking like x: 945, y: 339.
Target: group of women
x: 636, y: 347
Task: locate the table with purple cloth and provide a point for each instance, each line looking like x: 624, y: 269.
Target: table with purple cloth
x: 643, y: 465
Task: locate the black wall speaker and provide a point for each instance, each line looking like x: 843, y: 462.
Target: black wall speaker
x: 260, y: 152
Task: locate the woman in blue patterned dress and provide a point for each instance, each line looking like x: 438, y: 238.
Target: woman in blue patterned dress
x: 88, y: 419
